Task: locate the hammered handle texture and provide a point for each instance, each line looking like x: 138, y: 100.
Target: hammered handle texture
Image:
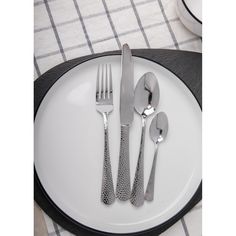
x: 123, y: 190
x: 108, y: 194
x: 137, y: 195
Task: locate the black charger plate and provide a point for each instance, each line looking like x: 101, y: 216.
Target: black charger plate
x: 185, y: 65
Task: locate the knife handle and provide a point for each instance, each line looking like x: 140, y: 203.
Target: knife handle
x: 123, y: 190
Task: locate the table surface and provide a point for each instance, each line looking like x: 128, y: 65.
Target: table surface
x: 66, y: 29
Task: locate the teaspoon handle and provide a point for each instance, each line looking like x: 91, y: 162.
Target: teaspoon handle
x: 149, y: 195
x: 137, y: 195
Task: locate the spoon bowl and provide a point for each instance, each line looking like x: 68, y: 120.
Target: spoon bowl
x: 147, y: 94
x: 159, y: 127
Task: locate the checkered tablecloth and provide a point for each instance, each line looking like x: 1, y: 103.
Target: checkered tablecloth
x: 66, y: 29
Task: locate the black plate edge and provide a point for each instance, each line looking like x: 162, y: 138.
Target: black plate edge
x: 182, y: 64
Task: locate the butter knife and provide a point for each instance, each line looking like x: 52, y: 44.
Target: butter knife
x: 123, y: 189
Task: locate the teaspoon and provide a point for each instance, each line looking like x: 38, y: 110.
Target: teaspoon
x: 146, y: 98
x: 158, y: 131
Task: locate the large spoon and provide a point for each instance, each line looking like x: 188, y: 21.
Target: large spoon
x: 146, y: 98
x: 158, y: 131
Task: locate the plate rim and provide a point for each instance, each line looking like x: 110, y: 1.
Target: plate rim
x: 191, y: 13
x: 40, y: 194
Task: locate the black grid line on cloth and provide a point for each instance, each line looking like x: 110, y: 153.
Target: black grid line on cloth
x: 36, y: 66
x: 55, y: 30
x: 101, y: 40
x: 111, y: 37
x: 83, y: 26
x: 105, y: 39
x: 184, y: 226
x: 139, y: 23
x: 168, y: 24
x: 42, y: 2
x: 93, y: 15
x: 120, y: 9
x: 182, y: 42
x: 111, y: 23
x: 56, y: 229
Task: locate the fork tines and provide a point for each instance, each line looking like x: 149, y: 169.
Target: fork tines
x: 104, y: 83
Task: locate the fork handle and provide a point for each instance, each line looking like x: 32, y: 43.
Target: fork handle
x: 123, y: 181
x: 108, y: 194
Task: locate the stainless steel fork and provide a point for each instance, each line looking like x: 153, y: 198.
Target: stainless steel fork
x: 104, y: 105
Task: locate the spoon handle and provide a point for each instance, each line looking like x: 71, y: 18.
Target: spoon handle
x: 123, y: 179
x: 149, y: 195
x: 137, y: 195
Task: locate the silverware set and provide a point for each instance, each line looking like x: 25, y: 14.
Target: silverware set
x: 144, y: 100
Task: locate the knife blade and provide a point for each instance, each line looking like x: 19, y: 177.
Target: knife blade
x: 123, y: 190
x: 127, y: 87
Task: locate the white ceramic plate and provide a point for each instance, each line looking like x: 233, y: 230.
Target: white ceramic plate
x: 69, y: 149
x: 190, y: 13
x: 195, y: 6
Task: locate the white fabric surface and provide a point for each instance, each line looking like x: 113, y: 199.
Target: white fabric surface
x: 66, y: 29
